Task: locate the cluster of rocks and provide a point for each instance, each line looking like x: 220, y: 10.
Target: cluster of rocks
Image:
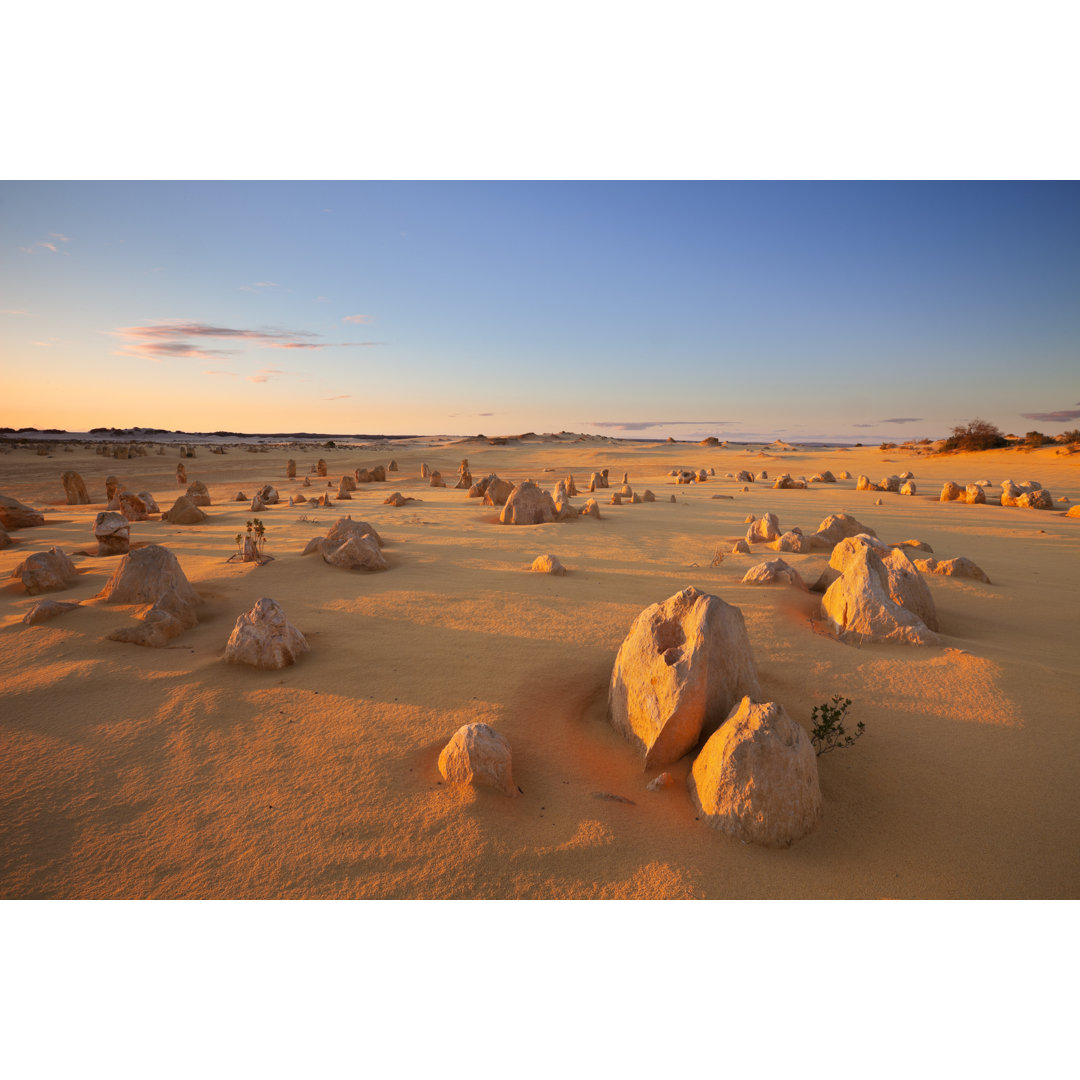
x: 686, y: 673
x: 691, y: 476
x: 1029, y: 494
x: 904, y: 484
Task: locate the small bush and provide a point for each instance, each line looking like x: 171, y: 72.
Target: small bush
x: 827, y: 732
x: 978, y: 435
x: 1035, y: 439
x: 1071, y: 436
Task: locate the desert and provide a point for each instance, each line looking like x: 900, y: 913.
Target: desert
x: 144, y: 760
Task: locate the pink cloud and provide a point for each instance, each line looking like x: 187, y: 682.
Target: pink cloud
x: 47, y: 244
x: 357, y: 318
x: 265, y: 375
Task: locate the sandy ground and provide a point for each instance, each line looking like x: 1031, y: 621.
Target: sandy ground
x: 135, y: 772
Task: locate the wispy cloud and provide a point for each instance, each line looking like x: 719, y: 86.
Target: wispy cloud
x: 61, y: 237
x: 337, y: 397
x: 643, y: 425
x: 13, y: 311
x: 902, y: 420
x: 265, y: 375
x: 232, y: 374
x: 260, y: 285
x: 1060, y: 416
x: 47, y: 244
x: 357, y: 318
x: 864, y: 425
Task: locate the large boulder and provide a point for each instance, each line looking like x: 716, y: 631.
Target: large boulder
x: 756, y: 779
x: 269, y: 495
x: 347, y: 483
x: 74, y: 489
x: 184, y: 512
x: 528, y: 505
x: 908, y: 487
x: 763, y: 530
x: 290, y: 469
x: 152, y: 575
x: 974, y: 494
x: 863, y: 484
x: 879, y: 596
x: 353, y: 553
x: 889, y: 483
x: 131, y: 506
x: 774, y: 570
x: 951, y: 492
x: 264, y: 638
x: 1036, y: 500
x: 478, y: 754
x: 792, y: 541
x: 45, y: 571
x: 198, y: 493
x: 345, y: 527
x: 112, y: 532
x: 684, y: 664
x: 496, y: 491
x: 744, y: 477
x: 837, y: 527
x: 149, y: 502
x: 17, y: 515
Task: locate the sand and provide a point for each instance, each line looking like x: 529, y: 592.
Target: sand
x: 137, y: 773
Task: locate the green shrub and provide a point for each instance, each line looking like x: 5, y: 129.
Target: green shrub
x: 978, y: 435
x: 827, y: 732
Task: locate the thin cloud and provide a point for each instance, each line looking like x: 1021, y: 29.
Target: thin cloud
x: 338, y: 397
x: 61, y: 237
x: 864, y: 425
x: 357, y: 318
x: 14, y: 311
x: 1060, y: 416
x: 47, y: 244
x: 642, y: 425
x: 265, y: 375
x: 902, y: 420
x: 232, y: 374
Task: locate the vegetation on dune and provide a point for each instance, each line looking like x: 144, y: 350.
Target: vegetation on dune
x: 978, y: 435
x: 827, y: 731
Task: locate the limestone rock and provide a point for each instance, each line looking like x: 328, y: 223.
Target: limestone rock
x: 907, y: 476
x: 914, y: 545
x: 47, y: 609
x: 1036, y: 500
x: 307, y: 482
x: 773, y: 571
x: 354, y: 553
x: 5, y: 540
x: 685, y: 662
x: 958, y: 567
x: 528, y: 505
x: 152, y: 575
x: 648, y: 496
x: 756, y: 779
x: 548, y: 564
x: 149, y: 502
x: 591, y: 509
x: 844, y: 475
x: 825, y: 477
x: 392, y: 467
x: 616, y: 499
x: 626, y: 492
x: 1073, y: 512
x: 347, y: 483
x: 879, y: 596
x: 345, y: 527
x: 792, y: 541
x: 950, y: 492
x: 112, y: 532
x: 184, y: 512
x: 763, y: 529
x: 17, y: 515
x: 75, y: 489
x: 322, y: 500
x: 257, y: 505
x: 571, y: 487
x: 889, y: 483
x: 476, y: 754
x: 45, y: 571
x: 154, y: 628
x: 198, y: 493
x: 837, y: 527
x: 264, y: 638
x: 741, y: 548
x: 863, y: 484
x: 290, y: 469
x: 436, y: 479
x: 320, y: 467
x: 1010, y: 494
x: 181, y: 475
x: 974, y: 494
x: 497, y: 491
x: 268, y: 494
x: 397, y: 499
x: 131, y: 506
x: 907, y: 487
x: 744, y: 477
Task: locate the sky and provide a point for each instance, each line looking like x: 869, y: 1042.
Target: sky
x: 835, y: 311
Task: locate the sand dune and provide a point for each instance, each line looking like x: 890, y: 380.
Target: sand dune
x: 138, y: 772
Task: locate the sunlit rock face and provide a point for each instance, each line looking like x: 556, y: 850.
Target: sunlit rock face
x: 879, y: 597
x: 478, y: 754
x: 264, y: 638
x: 756, y: 779
x: 682, y: 667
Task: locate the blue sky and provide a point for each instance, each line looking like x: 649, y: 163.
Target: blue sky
x: 847, y: 311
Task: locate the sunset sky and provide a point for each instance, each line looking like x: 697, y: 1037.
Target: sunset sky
x: 839, y: 311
